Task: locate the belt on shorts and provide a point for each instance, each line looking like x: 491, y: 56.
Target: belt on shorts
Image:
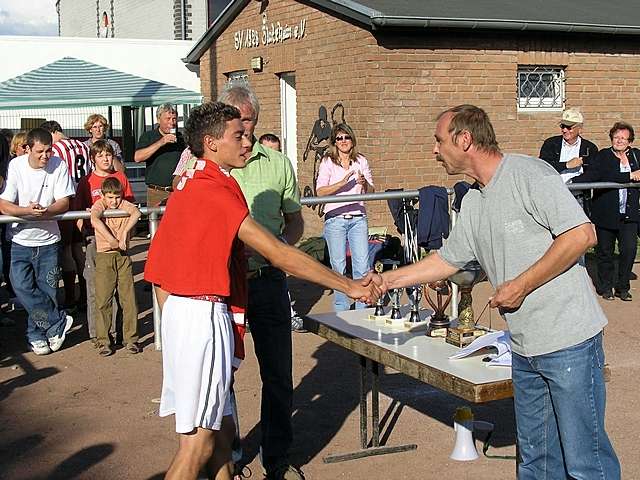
x: 209, y: 298
x: 263, y: 272
x: 158, y: 187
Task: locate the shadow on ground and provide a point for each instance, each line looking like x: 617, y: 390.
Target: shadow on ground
x: 333, y: 386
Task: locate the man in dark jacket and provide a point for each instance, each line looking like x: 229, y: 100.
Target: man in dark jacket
x: 569, y: 153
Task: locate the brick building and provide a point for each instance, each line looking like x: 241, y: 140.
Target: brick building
x: 389, y: 67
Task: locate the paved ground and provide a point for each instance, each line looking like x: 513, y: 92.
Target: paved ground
x: 75, y: 415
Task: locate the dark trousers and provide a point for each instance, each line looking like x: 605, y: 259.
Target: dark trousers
x: 5, y: 258
x: 269, y: 316
x: 626, y: 236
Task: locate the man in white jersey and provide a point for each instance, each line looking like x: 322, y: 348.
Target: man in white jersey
x: 527, y: 232
x: 76, y: 156
x: 38, y: 186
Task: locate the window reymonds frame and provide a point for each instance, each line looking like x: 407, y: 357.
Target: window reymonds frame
x: 540, y: 87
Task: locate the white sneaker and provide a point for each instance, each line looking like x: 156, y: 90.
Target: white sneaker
x: 40, y: 347
x: 57, y: 341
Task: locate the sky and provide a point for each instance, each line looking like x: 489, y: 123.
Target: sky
x: 28, y: 17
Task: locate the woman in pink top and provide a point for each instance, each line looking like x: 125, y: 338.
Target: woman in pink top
x: 345, y: 172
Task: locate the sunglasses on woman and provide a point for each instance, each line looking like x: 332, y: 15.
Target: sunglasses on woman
x: 343, y: 138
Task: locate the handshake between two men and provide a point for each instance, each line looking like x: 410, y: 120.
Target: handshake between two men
x: 508, y: 296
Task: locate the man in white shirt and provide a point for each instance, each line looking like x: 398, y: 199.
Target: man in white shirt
x: 569, y: 153
x: 38, y: 186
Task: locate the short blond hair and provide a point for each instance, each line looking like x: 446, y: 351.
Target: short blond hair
x: 93, y: 118
x: 19, y: 139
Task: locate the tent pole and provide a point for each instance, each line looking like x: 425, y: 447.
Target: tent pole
x: 110, y: 121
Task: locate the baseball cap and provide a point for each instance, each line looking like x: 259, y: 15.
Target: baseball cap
x: 571, y: 116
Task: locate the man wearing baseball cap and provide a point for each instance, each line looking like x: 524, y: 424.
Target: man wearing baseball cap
x: 569, y: 153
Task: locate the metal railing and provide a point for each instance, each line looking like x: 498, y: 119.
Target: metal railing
x: 154, y: 213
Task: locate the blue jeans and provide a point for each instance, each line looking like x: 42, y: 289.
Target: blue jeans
x: 560, y: 405
x: 35, y: 273
x: 337, y: 232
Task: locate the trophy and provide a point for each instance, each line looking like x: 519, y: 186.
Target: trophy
x: 415, y: 295
x: 466, y: 331
x: 439, y: 320
x: 379, y: 311
x: 395, y: 301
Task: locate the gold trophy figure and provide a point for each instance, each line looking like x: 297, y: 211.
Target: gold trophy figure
x: 466, y: 331
x: 379, y: 311
x: 439, y: 320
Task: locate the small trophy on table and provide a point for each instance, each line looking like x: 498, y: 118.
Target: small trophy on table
x: 378, y: 313
x: 466, y: 331
x: 415, y: 295
x: 395, y: 318
x: 439, y: 320
x: 395, y: 300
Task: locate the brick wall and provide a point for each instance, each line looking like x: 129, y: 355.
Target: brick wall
x: 394, y: 85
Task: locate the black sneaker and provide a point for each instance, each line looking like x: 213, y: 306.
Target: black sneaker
x: 608, y: 295
x: 624, y: 296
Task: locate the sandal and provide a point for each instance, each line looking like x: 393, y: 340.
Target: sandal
x: 105, y: 351
x: 132, y: 348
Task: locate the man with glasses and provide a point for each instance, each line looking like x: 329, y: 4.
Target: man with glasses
x: 569, y: 153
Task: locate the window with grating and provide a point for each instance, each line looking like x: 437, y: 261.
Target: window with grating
x: 238, y: 76
x: 540, y: 87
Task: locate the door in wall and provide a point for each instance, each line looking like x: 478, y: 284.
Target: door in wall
x: 288, y: 118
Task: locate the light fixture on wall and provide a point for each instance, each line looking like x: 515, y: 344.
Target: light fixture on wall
x: 256, y: 64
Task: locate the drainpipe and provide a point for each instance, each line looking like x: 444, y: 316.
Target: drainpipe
x: 183, y: 15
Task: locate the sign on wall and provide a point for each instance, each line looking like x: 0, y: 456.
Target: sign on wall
x: 270, y: 34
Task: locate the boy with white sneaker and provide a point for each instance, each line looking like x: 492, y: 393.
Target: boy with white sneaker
x: 38, y: 186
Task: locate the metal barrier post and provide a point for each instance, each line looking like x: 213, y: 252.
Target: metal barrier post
x: 153, y: 226
x: 454, y: 287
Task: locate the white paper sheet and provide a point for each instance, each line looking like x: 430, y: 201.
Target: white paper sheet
x: 500, y: 339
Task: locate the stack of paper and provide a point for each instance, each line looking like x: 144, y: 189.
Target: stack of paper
x: 500, y: 340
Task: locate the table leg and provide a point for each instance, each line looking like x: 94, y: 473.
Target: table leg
x: 364, y: 435
x: 375, y: 403
x: 375, y: 449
